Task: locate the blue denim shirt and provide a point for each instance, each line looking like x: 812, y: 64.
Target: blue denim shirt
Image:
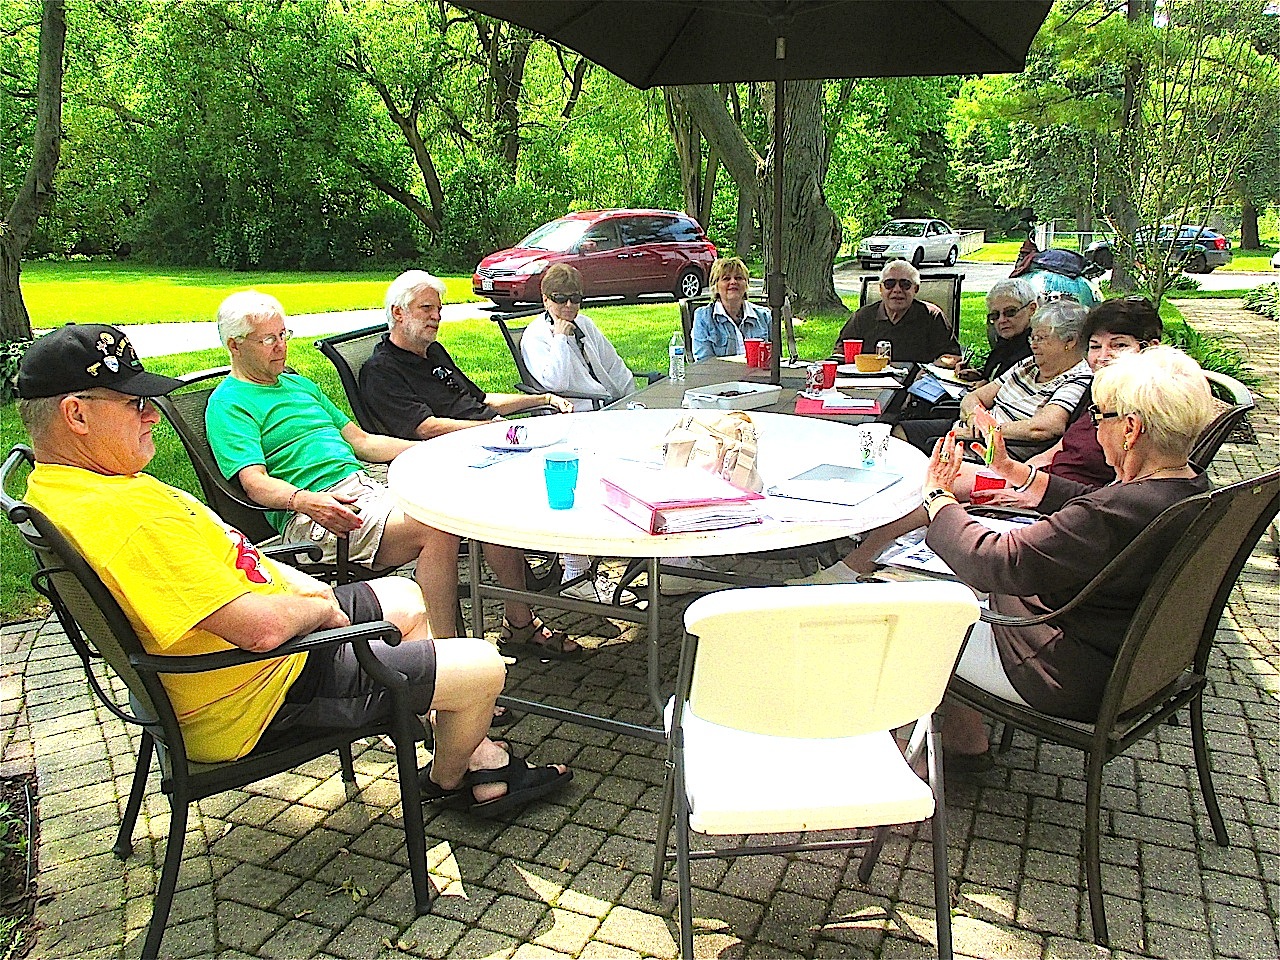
x: 715, y: 335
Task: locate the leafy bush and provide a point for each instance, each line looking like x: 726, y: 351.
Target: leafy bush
x: 1210, y: 352
x: 11, y: 352
x: 1265, y: 300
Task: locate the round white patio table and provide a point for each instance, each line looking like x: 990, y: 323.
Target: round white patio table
x: 439, y: 483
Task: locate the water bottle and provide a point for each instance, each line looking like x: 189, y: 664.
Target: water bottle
x: 675, y: 370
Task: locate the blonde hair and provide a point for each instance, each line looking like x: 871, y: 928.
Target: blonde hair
x: 1165, y: 389
x: 728, y: 266
x: 561, y: 278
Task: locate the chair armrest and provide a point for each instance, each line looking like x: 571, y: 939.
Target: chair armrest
x: 357, y: 633
x: 541, y: 410
x: 567, y: 394
x: 298, y: 550
x: 651, y: 376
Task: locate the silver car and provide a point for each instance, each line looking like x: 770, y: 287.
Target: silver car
x: 919, y: 241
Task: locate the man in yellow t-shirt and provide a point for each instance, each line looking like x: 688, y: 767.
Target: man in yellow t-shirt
x: 190, y: 584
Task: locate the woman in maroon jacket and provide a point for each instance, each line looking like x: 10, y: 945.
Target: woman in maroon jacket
x: 1148, y: 410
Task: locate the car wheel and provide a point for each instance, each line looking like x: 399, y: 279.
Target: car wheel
x: 688, y: 284
x: 1197, y: 264
x: 917, y: 258
x: 503, y: 303
x: 867, y: 265
x: 952, y: 257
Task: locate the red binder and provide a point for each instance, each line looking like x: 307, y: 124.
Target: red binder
x: 679, y: 501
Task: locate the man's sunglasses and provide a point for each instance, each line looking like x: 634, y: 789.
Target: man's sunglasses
x: 1097, y: 416
x: 565, y: 297
x: 1008, y: 313
x: 138, y: 403
x: 892, y: 282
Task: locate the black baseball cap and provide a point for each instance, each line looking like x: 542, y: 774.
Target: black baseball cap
x: 84, y: 355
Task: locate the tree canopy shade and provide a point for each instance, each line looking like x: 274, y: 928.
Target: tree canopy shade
x: 651, y: 42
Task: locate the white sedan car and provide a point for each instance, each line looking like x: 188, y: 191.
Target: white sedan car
x: 1275, y: 260
x: 919, y: 241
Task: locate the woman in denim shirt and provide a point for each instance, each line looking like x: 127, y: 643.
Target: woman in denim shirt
x: 720, y: 327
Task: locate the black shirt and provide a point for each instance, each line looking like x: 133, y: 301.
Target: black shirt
x: 403, y: 389
x: 1006, y: 354
x: 921, y: 336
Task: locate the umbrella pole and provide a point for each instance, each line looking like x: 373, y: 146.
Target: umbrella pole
x: 777, y: 277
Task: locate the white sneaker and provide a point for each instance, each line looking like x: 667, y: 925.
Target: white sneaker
x: 838, y: 572
x: 672, y: 585
x: 599, y: 590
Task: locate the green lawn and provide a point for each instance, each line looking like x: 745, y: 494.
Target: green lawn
x: 1251, y: 260
x: 56, y: 293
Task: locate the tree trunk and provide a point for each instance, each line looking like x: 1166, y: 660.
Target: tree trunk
x: 1249, y: 225
x: 811, y: 233
x: 688, y: 152
x: 37, y: 188
x: 746, y: 235
x: 1123, y: 213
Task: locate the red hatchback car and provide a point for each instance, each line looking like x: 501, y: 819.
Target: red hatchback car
x: 619, y: 253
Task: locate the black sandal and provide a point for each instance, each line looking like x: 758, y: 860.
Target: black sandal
x: 432, y: 791
x: 524, y: 785
x: 554, y: 645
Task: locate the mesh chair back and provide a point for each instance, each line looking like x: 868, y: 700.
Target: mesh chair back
x: 825, y: 661
x: 940, y: 289
x: 688, y: 308
x: 1216, y: 434
x: 184, y: 408
x: 528, y: 382
x: 88, y: 613
x: 1173, y: 628
x: 348, y: 353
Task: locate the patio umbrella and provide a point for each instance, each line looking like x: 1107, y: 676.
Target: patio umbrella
x: 676, y: 42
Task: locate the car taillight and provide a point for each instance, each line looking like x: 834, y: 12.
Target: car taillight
x: 1220, y: 243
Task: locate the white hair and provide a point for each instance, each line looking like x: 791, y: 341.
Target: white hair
x: 1015, y: 288
x: 404, y: 287
x: 1165, y: 388
x: 903, y: 267
x: 236, y: 313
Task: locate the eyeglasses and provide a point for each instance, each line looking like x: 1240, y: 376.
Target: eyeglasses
x: 138, y: 403
x: 270, y: 340
x: 1097, y: 416
x: 565, y: 297
x: 445, y: 376
x: 1008, y: 312
x: 892, y: 282
x: 1053, y: 296
x: 1042, y: 337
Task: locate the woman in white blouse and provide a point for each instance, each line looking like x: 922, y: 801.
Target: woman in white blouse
x: 566, y: 352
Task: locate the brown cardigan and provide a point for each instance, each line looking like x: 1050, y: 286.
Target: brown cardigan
x: 1061, y: 667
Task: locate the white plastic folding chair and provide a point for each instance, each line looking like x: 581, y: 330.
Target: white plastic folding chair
x: 783, y: 717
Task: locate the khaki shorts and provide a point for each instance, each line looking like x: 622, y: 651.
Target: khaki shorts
x: 375, y: 506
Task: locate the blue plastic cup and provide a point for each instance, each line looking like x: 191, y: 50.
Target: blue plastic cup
x: 561, y: 473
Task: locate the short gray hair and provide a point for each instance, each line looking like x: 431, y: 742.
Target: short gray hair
x: 237, y: 311
x: 38, y: 414
x: 405, y: 286
x: 1163, y: 387
x: 1065, y: 320
x: 1015, y: 288
x: 903, y: 266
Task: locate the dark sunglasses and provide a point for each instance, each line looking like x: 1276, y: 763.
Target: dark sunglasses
x: 892, y: 282
x: 1008, y: 312
x: 1097, y: 416
x: 565, y: 297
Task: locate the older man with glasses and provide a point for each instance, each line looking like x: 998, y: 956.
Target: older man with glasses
x: 294, y: 452
x: 917, y: 329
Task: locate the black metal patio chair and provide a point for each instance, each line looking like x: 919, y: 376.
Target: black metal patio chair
x: 100, y: 633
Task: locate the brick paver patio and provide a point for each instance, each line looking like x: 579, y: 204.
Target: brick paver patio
x: 301, y: 866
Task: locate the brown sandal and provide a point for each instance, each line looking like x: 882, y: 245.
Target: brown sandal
x: 537, y: 639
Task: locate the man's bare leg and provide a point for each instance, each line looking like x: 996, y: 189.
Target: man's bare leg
x: 469, y: 677
x: 508, y: 565
x: 436, y: 553
x: 402, y: 604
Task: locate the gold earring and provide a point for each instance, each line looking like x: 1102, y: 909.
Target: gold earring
x: 1125, y: 445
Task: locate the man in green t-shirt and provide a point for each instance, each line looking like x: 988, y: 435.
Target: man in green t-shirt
x: 294, y: 451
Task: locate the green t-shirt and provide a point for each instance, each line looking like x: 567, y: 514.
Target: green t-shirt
x: 290, y: 427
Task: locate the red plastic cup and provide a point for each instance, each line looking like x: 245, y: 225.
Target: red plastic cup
x: 985, y: 483
x: 828, y: 374
x: 766, y: 354
x: 753, y: 345
x: 851, y: 349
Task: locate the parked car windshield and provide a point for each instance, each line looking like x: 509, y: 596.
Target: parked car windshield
x: 558, y: 235
x: 902, y: 228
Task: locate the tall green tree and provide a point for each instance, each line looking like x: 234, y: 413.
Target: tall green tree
x: 32, y: 196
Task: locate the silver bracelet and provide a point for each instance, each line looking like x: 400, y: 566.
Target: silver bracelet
x: 1027, y: 486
